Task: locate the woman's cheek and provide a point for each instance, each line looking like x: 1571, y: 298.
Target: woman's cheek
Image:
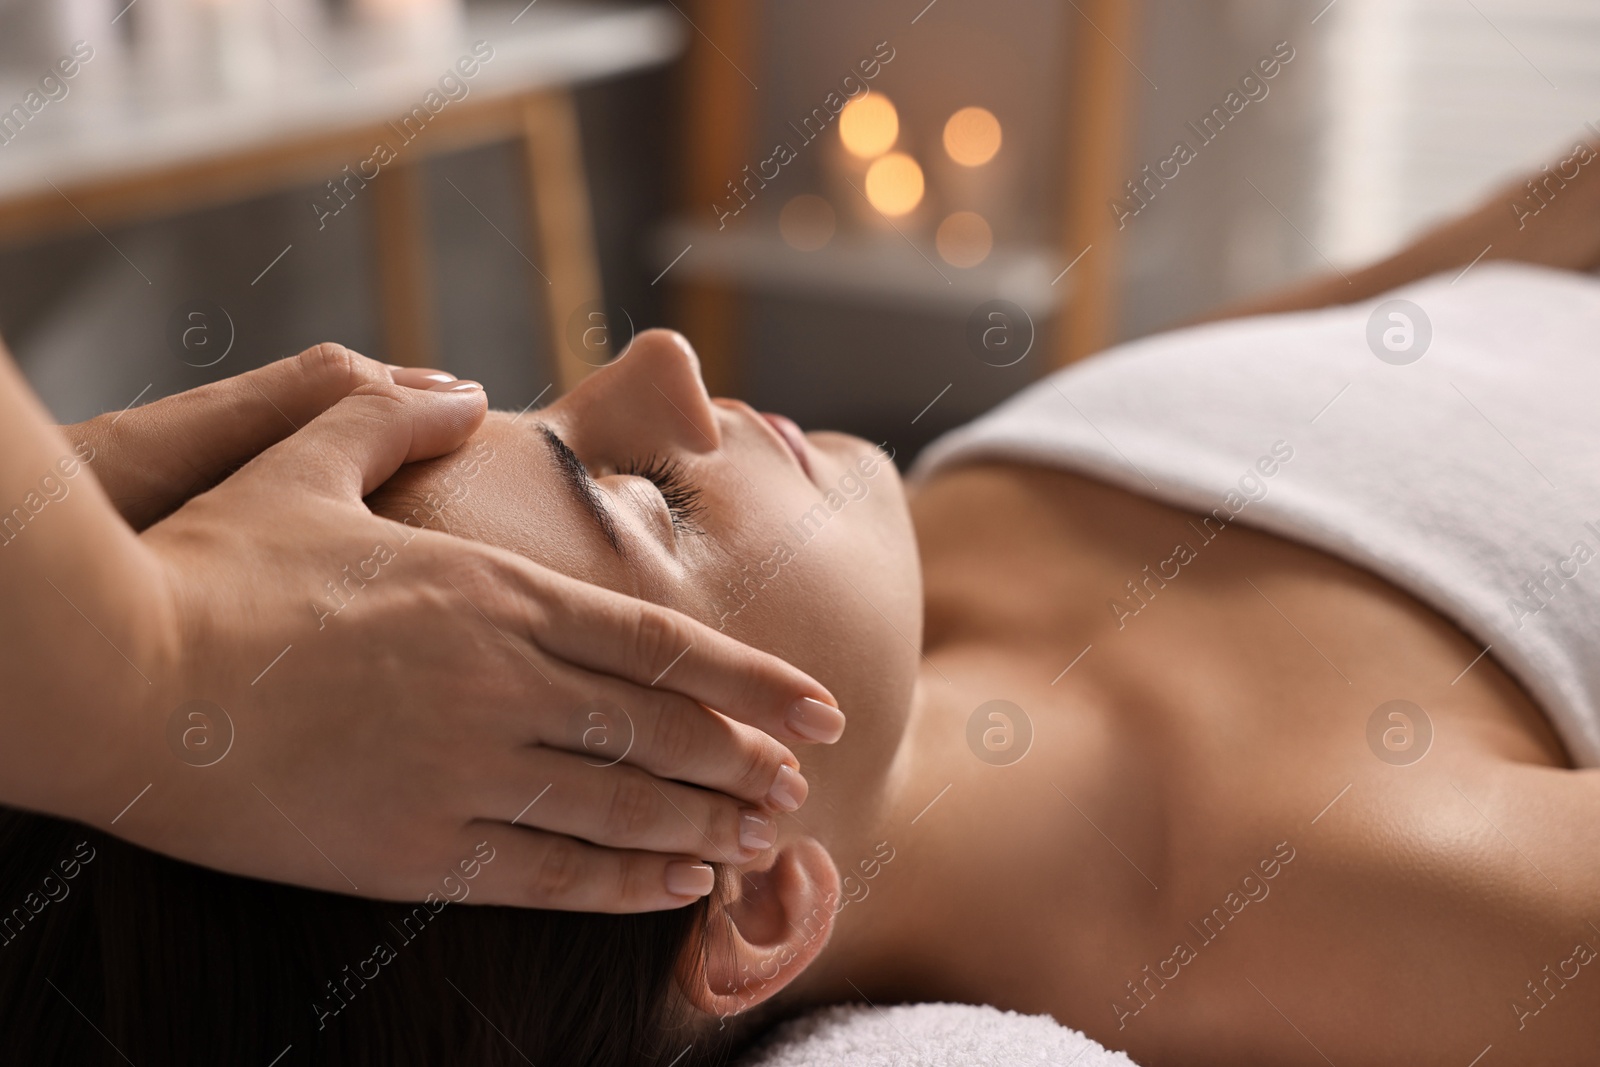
x: 744, y: 570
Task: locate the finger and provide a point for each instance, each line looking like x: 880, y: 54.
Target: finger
x: 533, y: 869
x: 649, y: 645
x: 153, y: 458
x: 623, y: 807
x: 226, y: 422
x: 671, y: 736
x: 355, y: 446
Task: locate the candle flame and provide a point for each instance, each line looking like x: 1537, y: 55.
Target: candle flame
x: 972, y: 136
x: 894, y: 184
x: 869, y: 126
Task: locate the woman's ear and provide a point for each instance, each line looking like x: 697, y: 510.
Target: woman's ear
x: 773, y: 927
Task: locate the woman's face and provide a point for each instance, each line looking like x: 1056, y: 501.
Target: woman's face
x: 799, y: 544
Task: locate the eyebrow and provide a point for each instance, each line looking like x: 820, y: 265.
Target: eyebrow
x: 576, y: 478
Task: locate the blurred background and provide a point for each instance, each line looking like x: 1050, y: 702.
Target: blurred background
x: 876, y: 216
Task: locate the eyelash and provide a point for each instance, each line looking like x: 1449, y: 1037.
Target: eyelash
x: 683, y: 499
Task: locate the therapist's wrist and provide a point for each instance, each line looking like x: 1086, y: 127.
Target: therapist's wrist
x: 84, y: 731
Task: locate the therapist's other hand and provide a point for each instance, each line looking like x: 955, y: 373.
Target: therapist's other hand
x: 151, y: 459
x: 397, y: 704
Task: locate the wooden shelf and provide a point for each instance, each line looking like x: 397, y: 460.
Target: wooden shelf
x: 869, y: 268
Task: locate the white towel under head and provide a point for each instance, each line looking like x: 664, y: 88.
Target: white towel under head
x: 1469, y: 478
x: 928, y: 1035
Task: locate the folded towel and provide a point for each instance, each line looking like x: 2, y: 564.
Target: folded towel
x: 928, y: 1035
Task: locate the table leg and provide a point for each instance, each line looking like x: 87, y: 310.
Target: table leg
x: 567, y: 275
x: 719, y: 139
x: 1101, y: 114
x: 405, y: 286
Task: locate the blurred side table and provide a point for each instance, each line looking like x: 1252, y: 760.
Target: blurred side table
x: 129, y: 159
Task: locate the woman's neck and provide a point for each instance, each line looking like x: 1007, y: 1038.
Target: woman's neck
x: 986, y: 805
x: 916, y: 857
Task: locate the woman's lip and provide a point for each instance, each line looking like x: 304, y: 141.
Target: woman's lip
x: 793, y: 437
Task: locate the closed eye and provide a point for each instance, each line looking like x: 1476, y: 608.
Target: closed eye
x: 683, y: 499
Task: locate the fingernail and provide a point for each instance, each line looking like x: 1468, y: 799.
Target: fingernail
x: 756, y: 831
x: 789, y: 791
x: 815, y: 721
x: 456, y: 387
x: 686, y: 879
x: 419, y: 377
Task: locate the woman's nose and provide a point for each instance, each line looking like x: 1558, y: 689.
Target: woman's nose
x: 656, y: 384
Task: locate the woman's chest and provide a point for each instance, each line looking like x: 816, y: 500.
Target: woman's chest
x: 1237, y: 745
x: 1204, y: 636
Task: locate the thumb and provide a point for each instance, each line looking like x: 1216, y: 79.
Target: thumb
x: 354, y: 446
x: 151, y: 459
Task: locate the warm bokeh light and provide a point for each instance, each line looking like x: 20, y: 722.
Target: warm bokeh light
x: 869, y: 125
x: 972, y: 136
x: 806, y: 222
x: 894, y: 183
x: 964, y: 239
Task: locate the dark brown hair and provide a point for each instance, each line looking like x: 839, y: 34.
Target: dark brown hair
x: 111, y: 954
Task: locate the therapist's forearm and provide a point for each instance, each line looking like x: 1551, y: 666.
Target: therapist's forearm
x: 81, y: 643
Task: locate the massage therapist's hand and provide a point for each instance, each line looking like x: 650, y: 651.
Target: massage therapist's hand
x: 151, y: 459
x: 421, y: 706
